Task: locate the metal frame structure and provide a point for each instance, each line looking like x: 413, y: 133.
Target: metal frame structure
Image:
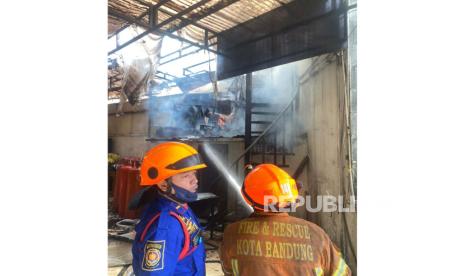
x: 187, y: 72
x: 159, y: 32
x: 150, y: 8
x: 164, y: 76
x: 180, y: 55
x: 154, y: 27
x: 179, y: 52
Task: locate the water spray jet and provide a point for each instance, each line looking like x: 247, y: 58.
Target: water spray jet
x: 231, y: 179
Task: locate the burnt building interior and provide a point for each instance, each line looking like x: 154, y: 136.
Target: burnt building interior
x: 245, y: 82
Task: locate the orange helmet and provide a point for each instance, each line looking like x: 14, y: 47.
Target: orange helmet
x: 167, y: 159
x: 269, y: 180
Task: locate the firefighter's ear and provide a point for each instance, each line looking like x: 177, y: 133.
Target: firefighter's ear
x: 163, y: 186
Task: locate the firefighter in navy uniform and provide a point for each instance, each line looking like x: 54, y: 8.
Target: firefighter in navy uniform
x: 272, y: 242
x: 168, y: 240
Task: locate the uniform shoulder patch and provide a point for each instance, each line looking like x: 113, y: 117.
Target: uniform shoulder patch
x: 154, y: 253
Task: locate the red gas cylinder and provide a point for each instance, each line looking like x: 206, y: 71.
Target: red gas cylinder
x: 119, y: 191
x: 126, y: 185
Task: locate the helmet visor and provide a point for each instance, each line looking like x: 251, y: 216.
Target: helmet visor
x: 190, y: 161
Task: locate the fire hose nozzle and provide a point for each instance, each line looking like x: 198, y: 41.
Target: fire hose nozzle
x: 248, y: 168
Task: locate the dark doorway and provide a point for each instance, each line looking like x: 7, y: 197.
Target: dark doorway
x: 211, y: 180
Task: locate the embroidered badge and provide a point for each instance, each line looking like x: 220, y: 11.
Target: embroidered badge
x: 190, y: 224
x: 154, y: 252
x: 193, y: 229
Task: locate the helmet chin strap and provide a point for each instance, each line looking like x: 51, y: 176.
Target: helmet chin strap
x: 170, y: 186
x: 178, y: 194
x: 169, y: 193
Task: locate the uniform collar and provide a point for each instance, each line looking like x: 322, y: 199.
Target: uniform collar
x: 264, y: 214
x: 162, y: 203
x: 169, y: 199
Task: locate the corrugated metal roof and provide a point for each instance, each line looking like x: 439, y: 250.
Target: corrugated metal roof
x: 221, y: 20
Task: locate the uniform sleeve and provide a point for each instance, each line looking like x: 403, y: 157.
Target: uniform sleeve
x: 223, y: 252
x: 336, y: 265
x: 162, y: 248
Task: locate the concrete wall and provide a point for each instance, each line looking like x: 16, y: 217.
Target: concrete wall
x: 321, y: 111
x: 129, y: 130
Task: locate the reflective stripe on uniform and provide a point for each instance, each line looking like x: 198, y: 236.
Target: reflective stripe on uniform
x: 235, y: 267
x: 318, y: 271
x: 341, y: 268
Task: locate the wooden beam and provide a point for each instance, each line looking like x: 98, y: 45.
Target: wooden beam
x: 209, y: 11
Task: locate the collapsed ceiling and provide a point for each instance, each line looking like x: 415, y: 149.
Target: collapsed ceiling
x: 245, y: 35
x: 190, y: 18
x: 196, y: 22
